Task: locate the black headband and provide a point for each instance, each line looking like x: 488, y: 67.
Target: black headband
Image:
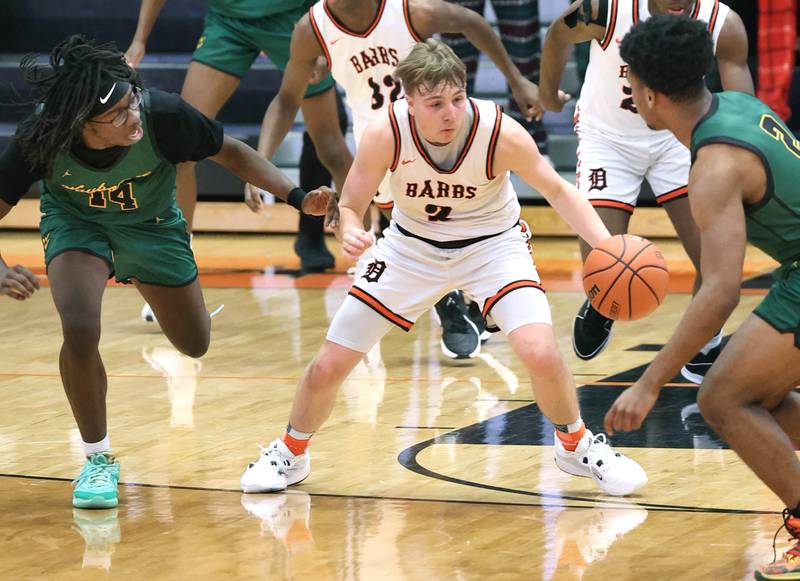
x: 110, y: 95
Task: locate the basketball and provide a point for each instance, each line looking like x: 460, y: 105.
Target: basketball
x: 625, y: 277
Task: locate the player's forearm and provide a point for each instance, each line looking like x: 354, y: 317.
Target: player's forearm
x: 736, y: 77
x: 555, y: 54
x: 479, y: 33
x: 578, y: 213
x: 148, y: 14
x: 243, y: 161
x: 706, y: 315
x: 278, y: 120
x: 349, y: 218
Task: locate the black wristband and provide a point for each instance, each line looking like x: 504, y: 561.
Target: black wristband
x: 296, y: 197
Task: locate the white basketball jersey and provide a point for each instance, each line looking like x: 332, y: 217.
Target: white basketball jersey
x: 606, y: 101
x: 467, y: 201
x: 363, y: 62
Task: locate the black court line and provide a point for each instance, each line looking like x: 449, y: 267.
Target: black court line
x: 606, y: 504
x: 408, y: 459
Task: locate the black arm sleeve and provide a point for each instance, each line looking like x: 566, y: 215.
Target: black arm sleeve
x: 16, y: 176
x: 181, y: 132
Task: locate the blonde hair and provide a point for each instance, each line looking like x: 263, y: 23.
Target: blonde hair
x: 430, y: 64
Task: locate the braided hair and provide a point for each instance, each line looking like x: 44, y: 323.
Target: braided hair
x: 64, y: 93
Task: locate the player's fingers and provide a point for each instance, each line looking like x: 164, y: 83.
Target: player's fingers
x: 14, y: 288
x: 21, y: 280
x: 27, y: 276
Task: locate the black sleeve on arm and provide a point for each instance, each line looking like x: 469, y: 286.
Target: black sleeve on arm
x: 16, y: 177
x: 181, y: 132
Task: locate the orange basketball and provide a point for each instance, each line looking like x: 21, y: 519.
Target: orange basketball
x: 625, y: 277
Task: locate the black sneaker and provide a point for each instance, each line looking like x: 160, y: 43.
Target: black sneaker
x: 590, y: 332
x: 314, y: 255
x: 697, y: 368
x: 475, y: 315
x: 460, y: 337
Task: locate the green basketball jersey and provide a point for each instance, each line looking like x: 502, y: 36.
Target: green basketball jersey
x: 773, y: 224
x: 136, y: 188
x: 247, y: 9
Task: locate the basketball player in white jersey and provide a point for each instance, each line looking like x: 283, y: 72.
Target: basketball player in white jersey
x: 362, y: 41
x: 455, y: 225
x: 616, y: 149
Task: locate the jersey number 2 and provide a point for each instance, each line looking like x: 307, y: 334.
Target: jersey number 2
x: 438, y: 213
x: 377, y: 91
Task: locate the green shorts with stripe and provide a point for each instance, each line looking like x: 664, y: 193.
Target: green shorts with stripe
x: 781, y: 307
x: 232, y: 44
x: 153, y: 252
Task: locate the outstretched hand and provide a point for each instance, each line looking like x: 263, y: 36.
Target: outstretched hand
x: 631, y: 408
x: 322, y: 202
x: 18, y: 282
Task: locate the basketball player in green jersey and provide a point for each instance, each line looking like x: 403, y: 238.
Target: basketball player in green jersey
x: 234, y: 33
x: 743, y: 187
x: 106, y: 151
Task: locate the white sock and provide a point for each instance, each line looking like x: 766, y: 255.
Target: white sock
x: 713, y: 342
x: 103, y: 445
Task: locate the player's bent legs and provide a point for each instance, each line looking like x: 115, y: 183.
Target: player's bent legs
x: 680, y: 215
x: 207, y: 90
x: 182, y: 314
x: 332, y: 151
x: 552, y: 383
x: 751, y: 378
x: 787, y: 414
x: 317, y: 391
x: 78, y: 280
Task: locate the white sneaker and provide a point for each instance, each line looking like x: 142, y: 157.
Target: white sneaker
x: 275, y: 469
x: 147, y: 314
x: 613, y: 471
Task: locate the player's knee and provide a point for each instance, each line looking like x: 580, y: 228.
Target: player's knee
x: 542, y: 358
x: 333, y: 154
x: 713, y: 404
x: 81, y: 331
x: 195, y: 346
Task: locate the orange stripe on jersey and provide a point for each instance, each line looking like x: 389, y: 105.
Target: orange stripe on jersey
x: 421, y: 149
x: 713, y: 20
x: 612, y: 24
x: 380, y: 308
x: 635, y: 12
x: 492, y: 300
x: 346, y: 30
x: 696, y: 10
x: 409, y: 25
x: 493, y: 143
x: 318, y: 34
x: 386, y: 206
x: 672, y: 195
x: 612, y: 204
x: 395, y: 136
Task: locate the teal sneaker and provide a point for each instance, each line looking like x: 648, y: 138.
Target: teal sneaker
x: 96, y: 485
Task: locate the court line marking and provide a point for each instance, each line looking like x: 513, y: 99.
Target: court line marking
x: 298, y: 377
x: 408, y: 459
x: 592, y: 502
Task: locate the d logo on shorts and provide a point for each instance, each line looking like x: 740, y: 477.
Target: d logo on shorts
x: 374, y: 270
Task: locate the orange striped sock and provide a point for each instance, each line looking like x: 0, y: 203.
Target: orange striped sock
x: 570, y: 439
x: 296, y: 446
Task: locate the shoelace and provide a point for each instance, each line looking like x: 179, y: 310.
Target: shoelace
x: 95, y: 474
x: 601, y: 441
x: 794, y: 551
x: 271, y: 454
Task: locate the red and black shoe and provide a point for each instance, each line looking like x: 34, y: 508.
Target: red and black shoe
x: 788, y: 568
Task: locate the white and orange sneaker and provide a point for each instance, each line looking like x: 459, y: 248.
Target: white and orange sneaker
x: 276, y: 469
x: 613, y: 471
